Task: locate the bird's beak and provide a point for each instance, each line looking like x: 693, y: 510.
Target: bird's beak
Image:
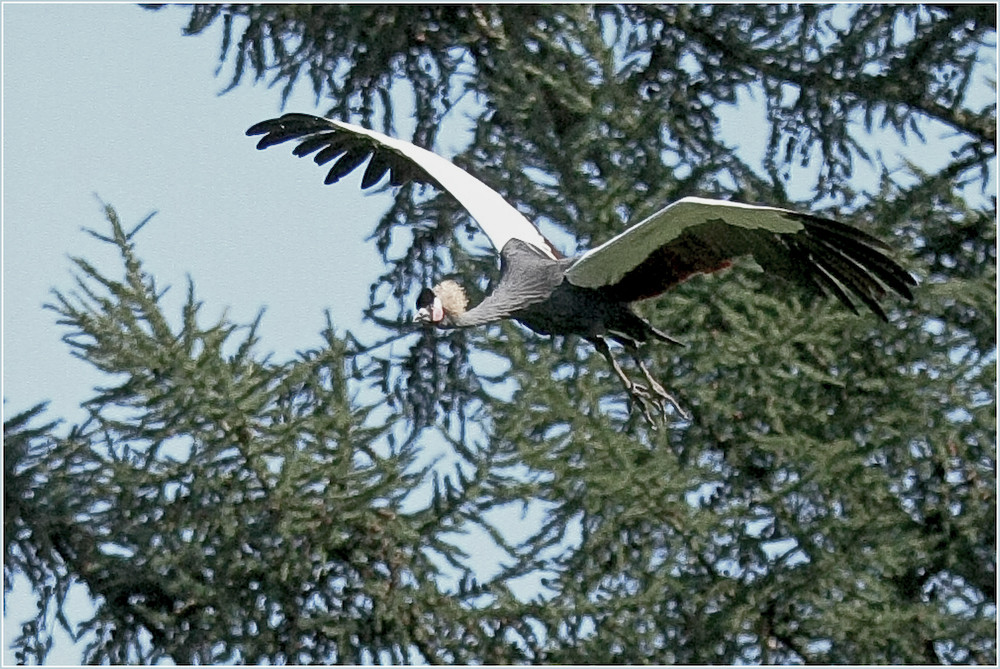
x: 430, y: 315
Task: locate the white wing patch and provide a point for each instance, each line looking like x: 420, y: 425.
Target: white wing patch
x: 606, y: 264
x: 499, y: 220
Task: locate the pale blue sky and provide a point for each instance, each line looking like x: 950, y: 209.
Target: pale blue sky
x: 112, y: 100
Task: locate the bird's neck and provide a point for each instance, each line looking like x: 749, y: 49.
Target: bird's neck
x: 472, y: 318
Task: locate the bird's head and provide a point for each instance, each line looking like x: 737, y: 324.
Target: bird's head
x: 441, y: 305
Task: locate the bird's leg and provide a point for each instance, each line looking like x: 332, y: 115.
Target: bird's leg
x: 638, y: 394
x: 653, y: 383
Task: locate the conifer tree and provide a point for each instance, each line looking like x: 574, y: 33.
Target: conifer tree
x: 831, y: 500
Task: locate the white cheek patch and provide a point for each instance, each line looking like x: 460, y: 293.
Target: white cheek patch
x: 437, y: 311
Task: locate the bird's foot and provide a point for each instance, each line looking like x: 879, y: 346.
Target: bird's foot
x: 654, y: 402
x: 638, y: 396
x: 664, y: 396
x: 650, y: 399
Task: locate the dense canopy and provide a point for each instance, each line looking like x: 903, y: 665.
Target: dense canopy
x: 483, y: 496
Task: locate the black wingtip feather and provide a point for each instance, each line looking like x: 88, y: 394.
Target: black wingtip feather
x: 847, y: 273
x: 329, y: 153
x: 843, y: 231
x: 817, y: 276
x: 377, y: 168
x: 347, y: 163
x: 272, y: 138
x: 331, y: 142
x: 315, y: 143
x: 870, y: 260
x: 259, y: 128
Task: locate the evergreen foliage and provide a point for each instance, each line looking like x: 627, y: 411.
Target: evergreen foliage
x: 832, y: 499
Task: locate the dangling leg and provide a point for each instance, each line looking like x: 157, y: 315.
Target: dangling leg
x: 633, y: 350
x: 638, y: 394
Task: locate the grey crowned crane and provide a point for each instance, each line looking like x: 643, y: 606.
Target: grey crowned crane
x: 590, y: 295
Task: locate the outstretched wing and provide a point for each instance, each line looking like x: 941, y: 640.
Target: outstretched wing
x: 697, y: 235
x: 350, y: 145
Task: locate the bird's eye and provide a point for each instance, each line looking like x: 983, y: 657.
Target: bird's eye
x: 425, y: 298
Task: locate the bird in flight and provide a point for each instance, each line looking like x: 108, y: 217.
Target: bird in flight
x: 591, y: 295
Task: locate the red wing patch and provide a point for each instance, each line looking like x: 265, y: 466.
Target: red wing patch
x: 670, y: 265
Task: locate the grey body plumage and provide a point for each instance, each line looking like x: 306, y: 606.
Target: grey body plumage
x: 590, y: 296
